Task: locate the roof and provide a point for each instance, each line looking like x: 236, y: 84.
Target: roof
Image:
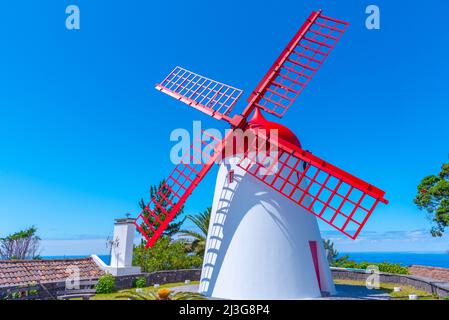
x: 258, y: 121
x: 23, y: 272
x: 435, y: 273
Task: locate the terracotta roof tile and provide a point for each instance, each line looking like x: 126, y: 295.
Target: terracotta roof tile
x: 22, y: 272
x: 430, y: 272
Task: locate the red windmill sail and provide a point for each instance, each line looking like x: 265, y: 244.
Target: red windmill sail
x: 298, y: 63
x: 175, y: 190
x: 209, y: 96
x: 342, y: 200
x: 335, y: 196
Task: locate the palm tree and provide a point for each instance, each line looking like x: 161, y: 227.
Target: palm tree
x: 160, y: 193
x: 331, y: 252
x: 201, y: 221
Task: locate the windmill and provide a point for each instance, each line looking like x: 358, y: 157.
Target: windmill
x: 263, y: 240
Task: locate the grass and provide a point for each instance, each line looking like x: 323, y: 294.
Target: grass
x: 113, y: 296
x: 388, y: 288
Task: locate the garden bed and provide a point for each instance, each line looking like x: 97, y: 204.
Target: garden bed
x: 145, y: 291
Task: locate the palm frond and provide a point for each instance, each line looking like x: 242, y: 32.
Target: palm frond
x: 193, y: 234
x: 149, y: 295
x: 152, y: 295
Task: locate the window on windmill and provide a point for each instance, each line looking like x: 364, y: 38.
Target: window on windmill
x: 231, y: 176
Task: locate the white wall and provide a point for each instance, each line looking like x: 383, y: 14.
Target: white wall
x: 258, y: 244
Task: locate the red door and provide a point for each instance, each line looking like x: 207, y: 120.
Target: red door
x: 314, y: 251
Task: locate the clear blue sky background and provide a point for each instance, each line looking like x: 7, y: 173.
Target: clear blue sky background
x: 83, y: 133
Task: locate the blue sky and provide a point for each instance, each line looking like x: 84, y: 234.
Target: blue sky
x: 83, y: 133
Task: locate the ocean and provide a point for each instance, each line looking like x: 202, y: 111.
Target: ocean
x: 403, y: 258
x: 106, y: 258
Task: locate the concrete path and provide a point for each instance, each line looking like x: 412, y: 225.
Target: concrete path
x: 186, y: 288
x: 348, y: 292
x: 344, y: 292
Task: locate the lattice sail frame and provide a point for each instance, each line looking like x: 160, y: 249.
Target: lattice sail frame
x: 209, y: 96
x: 173, y: 193
x: 342, y: 200
x: 298, y: 63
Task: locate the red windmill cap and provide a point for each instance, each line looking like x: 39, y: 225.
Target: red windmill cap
x: 258, y: 121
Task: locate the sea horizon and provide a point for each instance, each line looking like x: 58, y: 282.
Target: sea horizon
x: 404, y: 258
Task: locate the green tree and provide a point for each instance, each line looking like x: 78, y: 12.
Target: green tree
x: 198, y: 238
x: 165, y: 255
x: 332, y: 254
x: 21, y: 245
x: 433, y: 196
x: 174, y: 227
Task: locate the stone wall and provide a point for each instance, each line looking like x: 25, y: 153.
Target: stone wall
x: 43, y: 291
x: 433, y: 286
x: 159, y: 277
x: 430, y: 272
x: 49, y: 290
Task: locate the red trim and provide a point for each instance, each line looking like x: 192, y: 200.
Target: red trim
x: 314, y: 251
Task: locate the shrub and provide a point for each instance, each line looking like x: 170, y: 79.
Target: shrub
x: 383, y: 266
x: 392, y: 268
x: 106, y: 284
x: 140, y: 282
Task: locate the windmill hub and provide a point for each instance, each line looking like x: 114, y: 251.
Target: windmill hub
x: 258, y: 122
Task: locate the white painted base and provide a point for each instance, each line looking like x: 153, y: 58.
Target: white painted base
x: 120, y: 271
x: 258, y: 244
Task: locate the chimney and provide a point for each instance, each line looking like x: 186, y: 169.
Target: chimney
x: 122, y: 247
x: 123, y: 243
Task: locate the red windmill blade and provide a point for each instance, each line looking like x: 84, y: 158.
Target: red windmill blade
x: 299, y: 174
x: 342, y: 200
x: 175, y: 190
x: 298, y: 63
x: 209, y: 96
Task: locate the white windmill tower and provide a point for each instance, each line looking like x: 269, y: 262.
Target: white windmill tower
x: 260, y: 244
x: 263, y: 240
